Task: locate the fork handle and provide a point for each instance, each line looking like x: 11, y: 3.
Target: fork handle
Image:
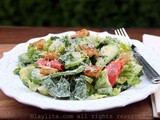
x: 147, y: 69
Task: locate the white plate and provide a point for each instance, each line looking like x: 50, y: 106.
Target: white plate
x: 13, y: 87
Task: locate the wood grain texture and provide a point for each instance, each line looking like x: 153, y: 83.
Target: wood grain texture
x: 13, y: 35
x: 5, y: 48
x: 11, y: 109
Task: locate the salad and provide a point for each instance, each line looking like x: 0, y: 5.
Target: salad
x: 79, y: 67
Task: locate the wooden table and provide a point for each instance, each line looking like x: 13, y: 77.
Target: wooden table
x: 10, y: 108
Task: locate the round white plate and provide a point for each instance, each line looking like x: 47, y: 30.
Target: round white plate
x: 13, y: 87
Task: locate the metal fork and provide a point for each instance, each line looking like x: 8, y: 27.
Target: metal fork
x: 147, y: 69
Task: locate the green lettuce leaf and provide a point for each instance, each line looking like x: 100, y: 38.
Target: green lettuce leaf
x: 97, y: 96
x: 102, y: 81
x: 47, y: 45
x: 57, y: 46
x: 71, y: 59
x: 109, y: 91
x: 80, y: 91
x: 59, y: 90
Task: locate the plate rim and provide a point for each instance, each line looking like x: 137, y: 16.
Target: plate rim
x: 10, y: 94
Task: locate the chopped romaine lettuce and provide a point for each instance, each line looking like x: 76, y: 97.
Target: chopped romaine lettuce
x: 57, y: 46
x: 23, y: 58
x: 54, y: 38
x: 24, y: 75
x: 47, y: 45
x: 105, y: 91
x: 97, y: 96
x: 43, y: 90
x: 92, y: 40
x: 82, y: 88
x: 33, y: 86
x: 88, y: 79
x: 130, y: 73
x: 69, y: 72
x: 76, y: 54
x: 19, y: 67
x: 33, y: 54
x: 80, y: 91
x: 109, y: 91
x: 102, y: 81
x: 107, y: 53
x: 35, y: 75
x: 134, y: 81
x: 71, y: 59
x: 59, y: 90
x: 109, y: 40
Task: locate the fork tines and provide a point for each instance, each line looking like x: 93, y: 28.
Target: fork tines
x: 123, y: 36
